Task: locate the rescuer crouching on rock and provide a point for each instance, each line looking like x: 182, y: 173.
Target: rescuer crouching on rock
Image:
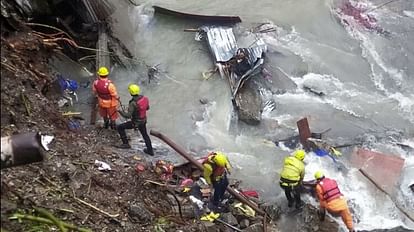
x: 331, y: 198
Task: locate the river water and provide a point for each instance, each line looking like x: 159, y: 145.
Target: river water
x: 367, y: 79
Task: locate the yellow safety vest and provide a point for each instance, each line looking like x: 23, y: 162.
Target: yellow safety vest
x: 292, y: 172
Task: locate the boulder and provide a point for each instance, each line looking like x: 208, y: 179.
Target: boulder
x: 248, y: 103
x: 229, y: 218
x: 254, y: 228
x: 138, y: 212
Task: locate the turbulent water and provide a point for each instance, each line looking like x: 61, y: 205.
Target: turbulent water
x: 367, y: 79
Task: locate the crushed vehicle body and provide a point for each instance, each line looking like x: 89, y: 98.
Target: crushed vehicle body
x: 238, y: 66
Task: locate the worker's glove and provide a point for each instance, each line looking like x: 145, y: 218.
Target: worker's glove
x: 321, y: 214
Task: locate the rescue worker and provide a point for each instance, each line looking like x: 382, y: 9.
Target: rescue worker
x: 137, y: 112
x: 291, y: 177
x: 331, y: 198
x: 216, y: 166
x: 108, y: 98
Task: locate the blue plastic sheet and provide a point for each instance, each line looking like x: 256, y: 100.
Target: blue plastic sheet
x: 321, y: 152
x: 67, y: 84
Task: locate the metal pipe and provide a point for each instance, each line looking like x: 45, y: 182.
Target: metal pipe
x: 187, y: 156
x: 21, y: 149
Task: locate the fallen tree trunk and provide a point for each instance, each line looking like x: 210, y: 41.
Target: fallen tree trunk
x: 187, y: 156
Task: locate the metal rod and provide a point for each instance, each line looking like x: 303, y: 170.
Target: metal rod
x: 187, y: 156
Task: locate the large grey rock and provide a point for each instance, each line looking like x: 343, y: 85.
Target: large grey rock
x: 249, y: 102
x: 188, y: 211
x: 254, y: 228
x: 138, y: 212
x: 229, y: 218
x: 306, y: 220
x: 274, y: 211
x: 209, y: 227
x: 244, y: 223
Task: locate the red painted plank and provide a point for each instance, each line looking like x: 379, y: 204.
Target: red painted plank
x: 384, y: 170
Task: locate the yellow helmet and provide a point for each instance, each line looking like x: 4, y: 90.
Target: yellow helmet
x: 103, y: 71
x: 220, y: 159
x: 133, y: 89
x: 319, y: 175
x: 299, y: 154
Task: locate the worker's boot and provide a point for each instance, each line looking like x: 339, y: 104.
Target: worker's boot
x: 299, y: 205
x: 321, y: 214
x: 125, y: 144
x: 106, y: 123
x: 113, y: 125
x: 291, y: 202
x: 149, y: 152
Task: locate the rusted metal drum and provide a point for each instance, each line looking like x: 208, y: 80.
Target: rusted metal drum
x: 21, y: 149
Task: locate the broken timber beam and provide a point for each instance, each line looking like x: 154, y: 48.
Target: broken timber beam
x: 191, y: 159
x: 304, y: 132
x: 102, y: 59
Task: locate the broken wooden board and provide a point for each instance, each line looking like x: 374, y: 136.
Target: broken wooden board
x: 304, y: 132
x: 383, y: 170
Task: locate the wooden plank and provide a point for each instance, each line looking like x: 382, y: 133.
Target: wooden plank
x: 304, y: 132
x: 384, y: 170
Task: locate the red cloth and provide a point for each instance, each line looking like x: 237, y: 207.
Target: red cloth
x: 250, y: 193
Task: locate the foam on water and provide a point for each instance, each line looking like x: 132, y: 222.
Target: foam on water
x: 370, y: 207
x: 381, y: 70
x: 409, y: 13
x: 292, y: 41
x: 336, y: 93
x: 214, y: 127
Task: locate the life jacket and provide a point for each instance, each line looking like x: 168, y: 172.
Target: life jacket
x: 218, y: 171
x: 102, y: 89
x: 330, y: 189
x: 292, y: 170
x: 142, y: 107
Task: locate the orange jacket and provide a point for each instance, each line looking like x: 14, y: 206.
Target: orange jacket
x: 336, y: 206
x: 106, y: 103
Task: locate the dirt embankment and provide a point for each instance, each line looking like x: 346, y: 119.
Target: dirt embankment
x: 67, y: 183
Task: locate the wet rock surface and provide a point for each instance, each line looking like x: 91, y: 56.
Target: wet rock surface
x: 248, y: 103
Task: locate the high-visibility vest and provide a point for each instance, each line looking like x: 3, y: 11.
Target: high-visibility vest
x: 218, y: 171
x: 142, y: 107
x: 101, y: 87
x: 292, y: 169
x: 330, y: 190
